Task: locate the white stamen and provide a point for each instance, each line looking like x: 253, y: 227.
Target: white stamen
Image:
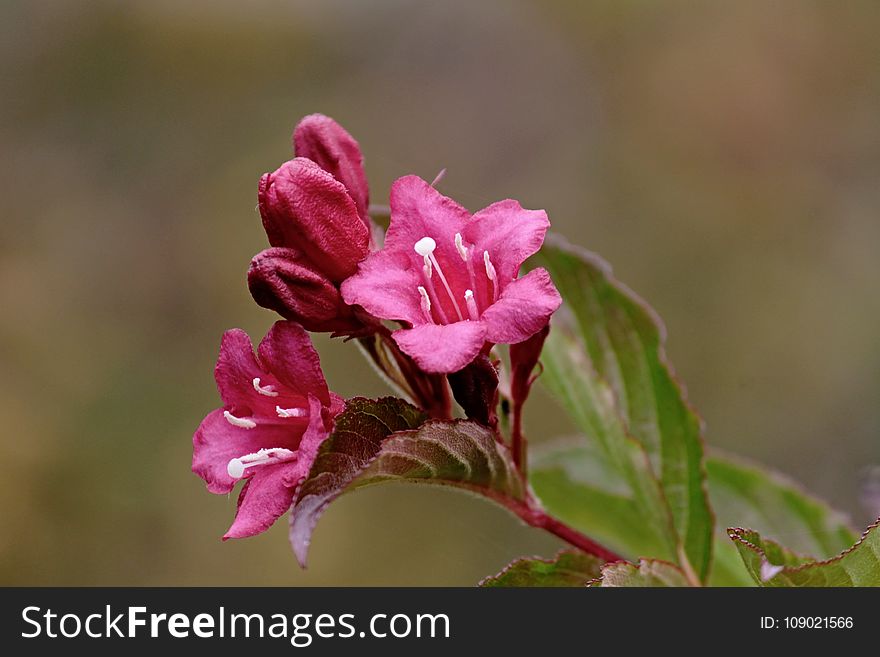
x: 425, y: 246
x: 446, y: 285
x: 439, y: 177
x: 426, y: 303
x: 435, y: 302
x: 459, y: 245
x: 490, y: 269
x: 242, y: 422
x: 471, y: 305
x: 491, y: 274
x: 427, y: 267
x: 291, y: 412
x: 236, y: 467
x: 269, y: 391
x: 465, y: 254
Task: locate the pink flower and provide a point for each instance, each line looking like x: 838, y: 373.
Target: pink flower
x: 452, y: 276
x: 276, y: 412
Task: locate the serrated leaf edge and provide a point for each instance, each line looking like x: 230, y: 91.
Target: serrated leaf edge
x: 736, y: 534
x: 545, y: 560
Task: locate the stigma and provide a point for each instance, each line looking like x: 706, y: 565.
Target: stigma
x: 236, y: 467
x: 437, y: 300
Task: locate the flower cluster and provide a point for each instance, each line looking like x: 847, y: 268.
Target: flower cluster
x: 448, y: 281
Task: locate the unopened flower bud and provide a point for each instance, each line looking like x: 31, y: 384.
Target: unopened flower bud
x: 283, y: 280
x: 325, y: 142
x: 305, y: 208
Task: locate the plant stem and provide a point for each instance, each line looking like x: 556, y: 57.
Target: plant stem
x: 536, y: 517
x: 518, y: 441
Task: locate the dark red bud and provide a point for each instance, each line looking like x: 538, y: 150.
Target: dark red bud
x: 523, y: 359
x: 475, y: 388
x: 324, y: 141
x: 283, y: 280
x: 305, y: 208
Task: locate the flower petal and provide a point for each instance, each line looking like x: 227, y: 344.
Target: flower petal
x: 269, y: 492
x: 439, y: 348
x: 216, y: 442
x: 235, y: 371
x: 524, y: 308
x: 306, y: 208
x: 509, y: 233
x: 287, y: 352
x: 325, y: 142
x: 387, y: 286
x: 265, y: 498
x: 419, y: 210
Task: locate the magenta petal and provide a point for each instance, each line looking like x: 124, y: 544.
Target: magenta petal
x: 216, y: 441
x: 419, y: 210
x: 315, y: 434
x: 337, y: 404
x: 235, y: 371
x: 269, y: 492
x: 266, y: 498
x: 524, y: 308
x: 287, y: 352
x: 442, y: 349
x: 387, y: 287
x: 509, y: 233
x: 306, y: 208
x: 324, y: 141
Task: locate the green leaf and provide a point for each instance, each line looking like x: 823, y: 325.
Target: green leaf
x: 573, y: 481
x: 568, y: 568
x: 356, y: 440
x: 771, y: 564
x: 458, y: 453
x: 744, y: 494
x: 388, y: 439
x: 649, y: 573
x: 571, y: 478
x: 605, y: 360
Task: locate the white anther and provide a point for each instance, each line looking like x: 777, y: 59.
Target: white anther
x: 236, y: 467
x: 491, y: 274
x: 473, y: 311
x: 459, y: 245
x: 242, y: 422
x: 425, y: 246
x: 290, y: 412
x: 490, y: 269
x: 269, y: 391
x: 426, y: 300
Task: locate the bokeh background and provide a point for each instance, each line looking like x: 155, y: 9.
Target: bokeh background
x: 725, y: 157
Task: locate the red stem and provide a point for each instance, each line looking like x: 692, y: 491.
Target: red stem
x: 536, y: 517
x: 518, y: 441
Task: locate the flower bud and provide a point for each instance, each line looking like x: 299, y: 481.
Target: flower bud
x: 283, y: 280
x: 305, y: 208
x: 331, y: 147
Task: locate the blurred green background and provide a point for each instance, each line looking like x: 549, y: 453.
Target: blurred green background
x: 723, y: 156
